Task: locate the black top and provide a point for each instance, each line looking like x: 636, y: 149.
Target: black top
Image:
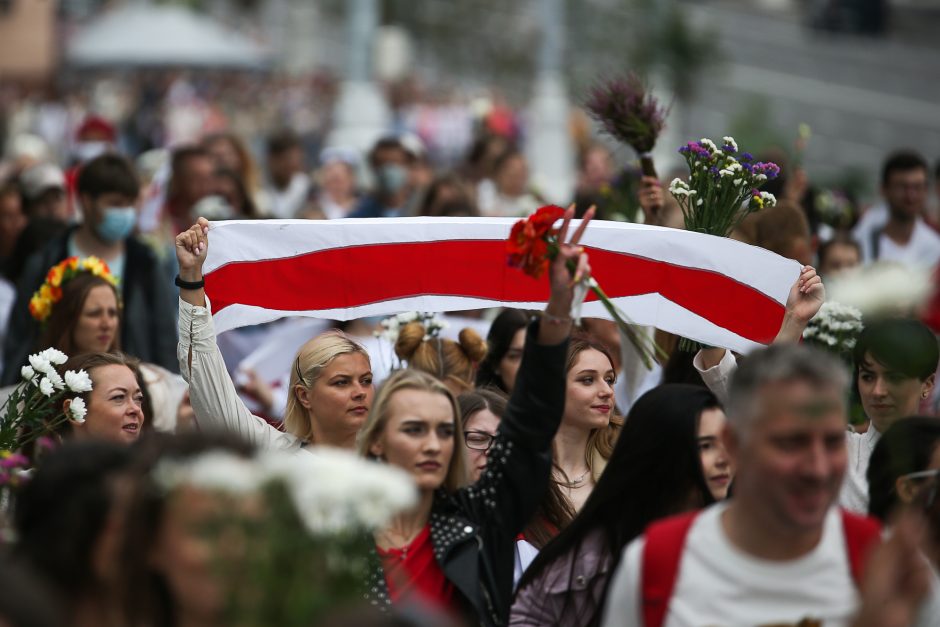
x: 474, y: 530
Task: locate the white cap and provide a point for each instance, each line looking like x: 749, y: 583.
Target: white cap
x: 37, y: 179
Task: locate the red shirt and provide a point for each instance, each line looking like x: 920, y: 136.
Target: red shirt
x: 413, y: 570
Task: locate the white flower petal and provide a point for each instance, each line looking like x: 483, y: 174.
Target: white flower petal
x: 77, y: 410
x: 78, y: 381
x: 46, y: 387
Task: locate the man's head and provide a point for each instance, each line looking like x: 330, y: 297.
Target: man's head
x: 108, y: 189
x: 192, y: 177
x: 285, y: 157
x: 904, y: 185
x: 391, y: 164
x: 786, y: 435
x: 895, y: 365
x: 43, y: 187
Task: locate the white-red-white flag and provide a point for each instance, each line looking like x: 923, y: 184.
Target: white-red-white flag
x: 711, y: 289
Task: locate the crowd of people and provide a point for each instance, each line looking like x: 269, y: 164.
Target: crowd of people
x: 558, y: 482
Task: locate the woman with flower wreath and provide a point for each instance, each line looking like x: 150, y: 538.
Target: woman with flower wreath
x: 455, y: 548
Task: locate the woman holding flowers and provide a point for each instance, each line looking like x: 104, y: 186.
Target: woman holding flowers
x: 80, y: 311
x: 112, y: 399
x: 91, y: 396
x: 456, y: 546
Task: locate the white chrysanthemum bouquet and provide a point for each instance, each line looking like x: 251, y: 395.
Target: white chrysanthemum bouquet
x: 835, y: 328
x: 723, y: 186
x: 302, y: 523
x: 34, y: 408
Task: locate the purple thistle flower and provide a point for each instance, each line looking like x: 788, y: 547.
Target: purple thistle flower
x: 728, y: 148
x: 627, y: 111
x: 746, y: 156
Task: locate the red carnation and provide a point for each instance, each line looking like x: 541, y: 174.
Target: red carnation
x: 528, y: 244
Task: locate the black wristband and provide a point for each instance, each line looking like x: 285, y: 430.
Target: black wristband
x: 189, y: 285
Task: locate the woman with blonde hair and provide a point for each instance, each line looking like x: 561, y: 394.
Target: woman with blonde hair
x: 455, y: 548
x: 330, y: 383
x: 454, y: 363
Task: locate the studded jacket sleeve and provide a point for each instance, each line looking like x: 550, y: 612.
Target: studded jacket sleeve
x: 519, y: 465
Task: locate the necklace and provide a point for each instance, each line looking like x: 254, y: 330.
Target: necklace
x: 574, y: 483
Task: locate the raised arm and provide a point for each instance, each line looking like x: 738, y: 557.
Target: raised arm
x: 212, y: 393
x: 519, y: 465
x: 807, y: 295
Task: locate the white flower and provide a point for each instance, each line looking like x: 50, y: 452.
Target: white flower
x: 725, y: 173
x: 56, y: 357
x: 769, y: 199
x: 883, y: 288
x: 78, y: 381
x: 729, y: 141
x: 28, y: 373
x: 708, y: 144
x: 699, y: 202
x: 678, y: 186
x: 214, y: 470
x: 335, y: 490
x: 738, y: 182
x: 56, y: 380
x: 77, y: 410
x: 40, y: 364
x: 760, y: 178
x: 46, y: 387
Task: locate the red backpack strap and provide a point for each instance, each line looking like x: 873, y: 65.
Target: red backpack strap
x: 664, y: 542
x: 862, y: 534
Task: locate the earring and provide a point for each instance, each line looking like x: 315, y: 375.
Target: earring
x: 924, y: 395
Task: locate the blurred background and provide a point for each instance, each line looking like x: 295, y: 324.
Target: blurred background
x: 834, y: 84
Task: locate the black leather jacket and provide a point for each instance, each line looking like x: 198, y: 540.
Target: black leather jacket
x: 474, y: 530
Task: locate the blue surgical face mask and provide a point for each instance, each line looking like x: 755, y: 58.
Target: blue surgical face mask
x: 392, y: 178
x: 117, y: 223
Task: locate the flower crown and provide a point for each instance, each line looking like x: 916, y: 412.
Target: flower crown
x: 50, y: 292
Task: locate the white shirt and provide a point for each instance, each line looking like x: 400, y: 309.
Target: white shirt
x: 854, y: 494
x: 719, y: 584
x: 285, y: 203
x: 921, y: 251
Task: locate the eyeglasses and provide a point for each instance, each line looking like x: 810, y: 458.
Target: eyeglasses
x: 478, y: 440
x: 931, y: 490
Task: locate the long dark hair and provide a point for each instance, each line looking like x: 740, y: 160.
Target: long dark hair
x: 905, y: 447
x: 503, y: 329
x: 655, y: 471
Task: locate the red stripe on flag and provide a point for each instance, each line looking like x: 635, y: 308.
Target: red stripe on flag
x: 348, y: 277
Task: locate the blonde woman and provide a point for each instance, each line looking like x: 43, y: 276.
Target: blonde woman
x: 331, y: 387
